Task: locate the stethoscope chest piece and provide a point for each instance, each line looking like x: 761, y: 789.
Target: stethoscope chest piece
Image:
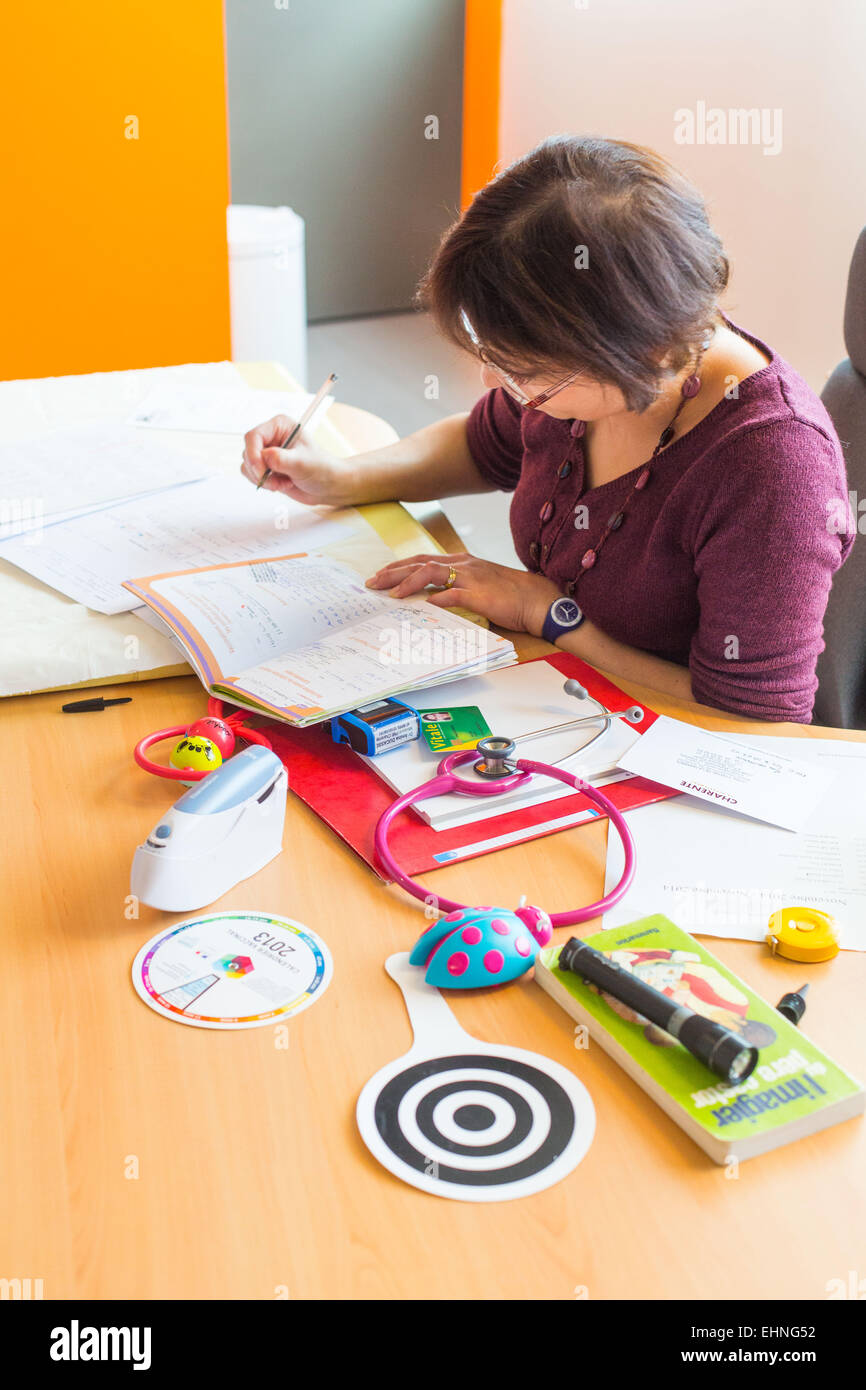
x: 497, y: 757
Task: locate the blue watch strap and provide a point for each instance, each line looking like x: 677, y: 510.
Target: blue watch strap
x: 563, y: 616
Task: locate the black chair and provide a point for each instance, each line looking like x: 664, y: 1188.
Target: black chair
x: 841, y: 697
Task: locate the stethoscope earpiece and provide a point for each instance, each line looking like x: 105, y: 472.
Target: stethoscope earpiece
x: 573, y: 687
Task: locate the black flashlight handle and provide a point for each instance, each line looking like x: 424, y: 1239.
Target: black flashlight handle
x: 713, y: 1044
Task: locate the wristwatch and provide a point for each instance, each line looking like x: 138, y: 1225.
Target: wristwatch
x: 563, y: 616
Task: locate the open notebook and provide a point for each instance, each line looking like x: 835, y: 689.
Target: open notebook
x: 300, y: 637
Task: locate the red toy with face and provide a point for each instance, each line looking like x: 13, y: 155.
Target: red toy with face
x: 217, y: 731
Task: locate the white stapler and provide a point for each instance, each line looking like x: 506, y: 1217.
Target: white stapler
x: 224, y: 829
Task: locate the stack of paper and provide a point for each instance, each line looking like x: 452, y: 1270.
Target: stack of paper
x: 71, y: 472
x: 88, y: 507
x: 219, y: 518
x: 69, y: 451
x: 32, y: 408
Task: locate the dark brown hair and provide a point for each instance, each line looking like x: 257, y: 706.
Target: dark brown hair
x: 654, y: 267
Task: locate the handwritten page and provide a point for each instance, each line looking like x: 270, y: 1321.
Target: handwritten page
x: 89, y: 465
x: 303, y: 636
x: 347, y: 666
x: 250, y: 613
x: 215, y: 410
x: 204, y: 523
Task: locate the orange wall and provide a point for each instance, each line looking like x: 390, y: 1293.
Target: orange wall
x: 481, y: 62
x: 112, y: 250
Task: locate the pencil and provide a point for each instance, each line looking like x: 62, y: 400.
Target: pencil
x: 305, y: 419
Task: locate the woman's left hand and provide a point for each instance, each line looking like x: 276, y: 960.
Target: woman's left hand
x: 509, y: 598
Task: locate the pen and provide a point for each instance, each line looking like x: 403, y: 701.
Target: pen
x: 305, y: 419
x: 97, y: 702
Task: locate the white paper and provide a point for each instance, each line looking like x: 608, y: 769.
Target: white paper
x: 514, y: 702
x: 49, y: 642
x: 217, y: 520
x: 89, y: 465
x: 46, y: 639
x: 30, y: 522
x: 214, y: 410
x: 32, y: 407
x: 715, y: 873
x: 147, y: 615
x: 746, y: 775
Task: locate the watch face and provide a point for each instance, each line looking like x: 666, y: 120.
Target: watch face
x: 565, y: 612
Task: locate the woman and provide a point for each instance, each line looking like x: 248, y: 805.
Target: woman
x: 674, y: 480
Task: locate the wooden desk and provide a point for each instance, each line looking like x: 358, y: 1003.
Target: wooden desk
x: 252, y: 1179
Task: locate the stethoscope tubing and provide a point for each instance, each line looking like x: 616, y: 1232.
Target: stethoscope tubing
x: 445, y: 782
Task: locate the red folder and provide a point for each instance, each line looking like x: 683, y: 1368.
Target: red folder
x: 349, y: 797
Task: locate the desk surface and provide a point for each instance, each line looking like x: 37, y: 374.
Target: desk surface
x: 142, y: 1159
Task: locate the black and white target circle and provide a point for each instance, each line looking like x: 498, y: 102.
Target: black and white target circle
x: 479, y: 1126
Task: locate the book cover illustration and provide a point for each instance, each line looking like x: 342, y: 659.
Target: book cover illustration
x: 794, y: 1086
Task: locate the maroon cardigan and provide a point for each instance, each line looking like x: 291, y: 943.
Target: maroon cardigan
x: 723, y: 563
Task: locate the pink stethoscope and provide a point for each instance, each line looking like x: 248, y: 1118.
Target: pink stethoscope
x: 496, y: 765
x: 502, y: 773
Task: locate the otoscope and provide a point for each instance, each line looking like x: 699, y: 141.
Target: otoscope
x: 716, y: 1046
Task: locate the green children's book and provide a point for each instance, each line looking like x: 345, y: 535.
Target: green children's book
x: 794, y: 1090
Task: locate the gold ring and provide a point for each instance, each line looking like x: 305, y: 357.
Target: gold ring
x: 452, y: 578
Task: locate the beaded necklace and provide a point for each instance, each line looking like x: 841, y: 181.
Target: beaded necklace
x: 539, y: 551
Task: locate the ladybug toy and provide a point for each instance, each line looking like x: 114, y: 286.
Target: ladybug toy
x: 476, y: 947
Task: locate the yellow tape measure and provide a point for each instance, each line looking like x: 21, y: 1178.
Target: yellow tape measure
x: 803, y: 933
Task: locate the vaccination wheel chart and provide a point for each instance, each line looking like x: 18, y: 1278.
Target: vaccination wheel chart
x: 232, y: 970
x: 466, y: 1119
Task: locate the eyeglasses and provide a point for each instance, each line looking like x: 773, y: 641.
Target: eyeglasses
x: 511, y: 386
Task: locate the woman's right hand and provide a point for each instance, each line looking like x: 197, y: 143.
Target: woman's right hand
x: 304, y: 473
